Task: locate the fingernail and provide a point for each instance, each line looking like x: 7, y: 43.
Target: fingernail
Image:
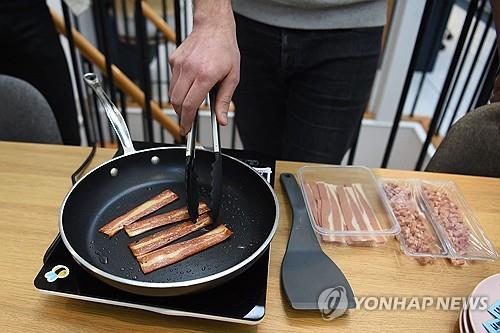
x: 224, y: 117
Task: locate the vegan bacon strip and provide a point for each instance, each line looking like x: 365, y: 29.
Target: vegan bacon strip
x: 330, y: 212
x: 164, y: 237
x: 153, y: 222
x: 341, y: 208
x: 312, y: 200
x: 171, y: 254
x: 339, y: 220
x: 152, y: 205
x: 367, y: 211
x: 350, y: 216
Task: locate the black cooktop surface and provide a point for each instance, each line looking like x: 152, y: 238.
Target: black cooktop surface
x: 242, y: 299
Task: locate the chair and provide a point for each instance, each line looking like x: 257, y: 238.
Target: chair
x: 25, y: 115
x: 472, y: 146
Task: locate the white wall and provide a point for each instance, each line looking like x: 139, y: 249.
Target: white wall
x: 398, y: 50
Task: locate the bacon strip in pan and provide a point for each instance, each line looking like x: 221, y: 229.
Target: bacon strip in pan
x: 164, y: 237
x: 153, y: 222
x: 152, y: 205
x: 171, y: 254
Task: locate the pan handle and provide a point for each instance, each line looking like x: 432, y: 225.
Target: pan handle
x: 112, y: 112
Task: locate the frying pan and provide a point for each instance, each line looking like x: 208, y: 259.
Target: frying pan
x: 248, y: 207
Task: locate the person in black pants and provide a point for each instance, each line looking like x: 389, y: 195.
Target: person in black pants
x: 302, y: 93
x: 305, y: 72
x: 30, y: 50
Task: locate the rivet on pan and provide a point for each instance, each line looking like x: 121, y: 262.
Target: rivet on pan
x: 113, y: 172
x: 155, y: 160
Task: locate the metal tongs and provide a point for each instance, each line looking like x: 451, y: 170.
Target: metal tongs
x: 193, y: 195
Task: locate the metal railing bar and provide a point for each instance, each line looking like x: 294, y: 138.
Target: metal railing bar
x: 106, y: 49
x: 76, y: 71
x: 489, y: 80
x: 120, y: 94
x: 465, y: 53
x: 471, y: 70
x: 96, y: 115
x: 409, y: 74
x: 85, y: 89
x: 125, y: 20
x: 158, y: 22
x: 185, y: 19
x: 91, y: 53
x: 177, y: 14
x: 123, y: 102
x: 140, y: 28
x: 482, y: 77
x: 164, y: 9
x: 449, y: 76
x: 419, y: 89
x: 158, y: 75
x: 102, y: 23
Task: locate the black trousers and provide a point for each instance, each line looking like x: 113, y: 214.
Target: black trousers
x: 30, y: 50
x: 302, y: 93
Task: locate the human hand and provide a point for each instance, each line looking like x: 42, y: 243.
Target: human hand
x: 208, y: 56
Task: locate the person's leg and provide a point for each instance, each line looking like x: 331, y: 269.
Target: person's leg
x: 330, y: 84
x: 34, y: 54
x: 260, y: 97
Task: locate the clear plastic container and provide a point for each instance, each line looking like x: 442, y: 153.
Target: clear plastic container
x: 455, y: 221
x: 346, y: 205
x: 417, y: 238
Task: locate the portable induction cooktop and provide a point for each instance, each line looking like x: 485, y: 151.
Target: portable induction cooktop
x: 235, y: 301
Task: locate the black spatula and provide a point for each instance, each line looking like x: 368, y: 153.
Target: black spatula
x: 306, y: 272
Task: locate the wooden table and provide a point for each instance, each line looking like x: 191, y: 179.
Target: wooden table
x: 35, y: 178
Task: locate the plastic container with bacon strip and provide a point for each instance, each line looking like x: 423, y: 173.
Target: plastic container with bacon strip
x: 346, y: 205
x: 418, y: 237
x: 455, y: 221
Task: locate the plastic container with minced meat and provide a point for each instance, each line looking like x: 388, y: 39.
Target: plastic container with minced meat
x: 346, y: 205
x: 417, y: 238
x: 455, y: 221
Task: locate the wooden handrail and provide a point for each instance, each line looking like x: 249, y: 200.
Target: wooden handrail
x: 120, y: 79
x: 158, y: 21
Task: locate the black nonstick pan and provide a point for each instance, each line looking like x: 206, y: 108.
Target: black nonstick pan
x: 248, y: 207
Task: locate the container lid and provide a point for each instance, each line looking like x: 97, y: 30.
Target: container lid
x: 461, y: 232
x: 346, y: 201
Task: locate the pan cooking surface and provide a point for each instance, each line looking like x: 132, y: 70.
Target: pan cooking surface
x: 245, y: 208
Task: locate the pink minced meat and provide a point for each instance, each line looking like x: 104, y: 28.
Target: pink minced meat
x: 415, y: 232
x: 449, y: 216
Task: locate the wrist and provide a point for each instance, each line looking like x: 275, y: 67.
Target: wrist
x: 213, y: 14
